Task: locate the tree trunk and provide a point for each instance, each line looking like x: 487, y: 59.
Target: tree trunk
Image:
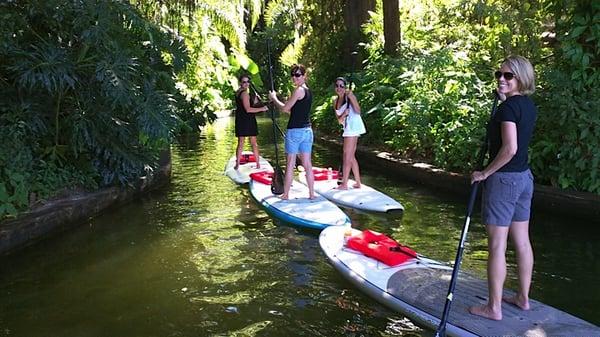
x: 391, y: 26
x: 356, y: 13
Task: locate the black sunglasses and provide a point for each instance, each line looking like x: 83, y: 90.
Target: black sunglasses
x: 340, y: 86
x: 507, y: 75
x: 246, y: 81
x: 297, y: 74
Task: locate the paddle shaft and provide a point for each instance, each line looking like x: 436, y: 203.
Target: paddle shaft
x: 441, y: 330
x: 277, y: 184
x: 268, y: 104
x: 350, y: 82
x: 271, y: 108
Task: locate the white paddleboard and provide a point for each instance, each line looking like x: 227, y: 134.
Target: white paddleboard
x: 298, y: 210
x: 242, y: 174
x: 364, y: 198
x: 418, y: 287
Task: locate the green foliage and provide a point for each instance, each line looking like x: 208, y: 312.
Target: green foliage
x: 432, y: 102
x: 566, y: 150
x: 88, y: 96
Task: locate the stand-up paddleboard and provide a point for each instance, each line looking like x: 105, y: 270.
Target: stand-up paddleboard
x: 247, y: 166
x: 364, y: 198
x: 418, y: 288
x: 298, y: 210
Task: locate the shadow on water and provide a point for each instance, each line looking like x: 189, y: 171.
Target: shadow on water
x: 201, y: 258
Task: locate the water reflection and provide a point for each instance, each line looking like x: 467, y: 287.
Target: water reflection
x: 200, y: 258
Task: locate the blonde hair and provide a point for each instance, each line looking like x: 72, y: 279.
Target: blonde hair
x: 523, y: 70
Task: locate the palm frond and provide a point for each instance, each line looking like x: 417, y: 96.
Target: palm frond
x: 255, y: 8
x: 226, y: 23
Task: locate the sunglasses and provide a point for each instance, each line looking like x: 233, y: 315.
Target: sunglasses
x: 342, y: 86
x: 507, y: 75
x: 297, y: 74
x: 245, y: 82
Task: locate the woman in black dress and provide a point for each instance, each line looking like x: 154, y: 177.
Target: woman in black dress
x: 245, y: 120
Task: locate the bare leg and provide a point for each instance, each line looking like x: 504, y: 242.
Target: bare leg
x: 238, y: 152
x: 519, y: 234
x: 347, y: 166
x: 310, y: 178
x: 289, y: 175
x: 352, y: 155
x: 255, y: 150
x: 497, y: 236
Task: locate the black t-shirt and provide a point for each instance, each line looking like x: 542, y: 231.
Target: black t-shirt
x: 521, y: 111
x: 300, y: 112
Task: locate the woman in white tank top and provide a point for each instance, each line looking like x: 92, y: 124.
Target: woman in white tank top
x: 347, y: 111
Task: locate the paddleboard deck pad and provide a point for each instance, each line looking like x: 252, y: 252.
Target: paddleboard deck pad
x: 298, y: 210
x: 247, y: 166
x: 418, y: 287
x: 364, y: 198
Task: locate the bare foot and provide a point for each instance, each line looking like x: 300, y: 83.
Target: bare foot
x: 284, y: 197
x: 518, y: 301
x: 312, y: 197
x: 486, y: 312
x: 342, y: 187
x: 356, y: 185
x: 257, y: 166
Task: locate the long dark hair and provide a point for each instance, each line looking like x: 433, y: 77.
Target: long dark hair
x: 346, y: 100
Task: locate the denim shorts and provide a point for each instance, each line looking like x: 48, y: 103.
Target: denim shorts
x: 506, y: 198
x: 299, y: 140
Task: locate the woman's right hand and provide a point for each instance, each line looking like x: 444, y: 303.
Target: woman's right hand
x: 272, y: 96
x: 477, y: 176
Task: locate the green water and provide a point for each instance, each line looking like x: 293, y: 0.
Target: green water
x: 200, y: 258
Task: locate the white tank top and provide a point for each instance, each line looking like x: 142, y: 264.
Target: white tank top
x: 353, y: 125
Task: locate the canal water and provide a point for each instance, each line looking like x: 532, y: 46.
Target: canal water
x: 200, y: 258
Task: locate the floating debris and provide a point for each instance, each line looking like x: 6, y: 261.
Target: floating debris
x: 399, y: 327
x: 232, y: 310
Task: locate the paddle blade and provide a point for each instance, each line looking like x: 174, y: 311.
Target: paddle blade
x: 277, y: 184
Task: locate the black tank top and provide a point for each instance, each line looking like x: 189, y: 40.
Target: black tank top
x: 300, y: 112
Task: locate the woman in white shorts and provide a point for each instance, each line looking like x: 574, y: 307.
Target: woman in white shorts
x: 347, y: 111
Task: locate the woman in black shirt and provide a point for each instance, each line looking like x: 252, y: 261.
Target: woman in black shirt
x: 508, y: 185
x: 299, y: 135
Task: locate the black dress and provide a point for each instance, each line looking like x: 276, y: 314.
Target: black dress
x: 245, y: 123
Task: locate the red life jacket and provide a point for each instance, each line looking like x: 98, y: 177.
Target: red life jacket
x: 381, y: 248
x: 265, y: 177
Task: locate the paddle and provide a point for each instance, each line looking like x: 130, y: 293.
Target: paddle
x: 261, y: 101
x: 441, y: 330
x: 277, y: 184
x: 346, y: 101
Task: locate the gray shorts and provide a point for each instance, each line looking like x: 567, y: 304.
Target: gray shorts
x: 507, y: 198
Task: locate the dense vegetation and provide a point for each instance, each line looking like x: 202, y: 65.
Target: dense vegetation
x: 92, y: 92
x: 433, y: 96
